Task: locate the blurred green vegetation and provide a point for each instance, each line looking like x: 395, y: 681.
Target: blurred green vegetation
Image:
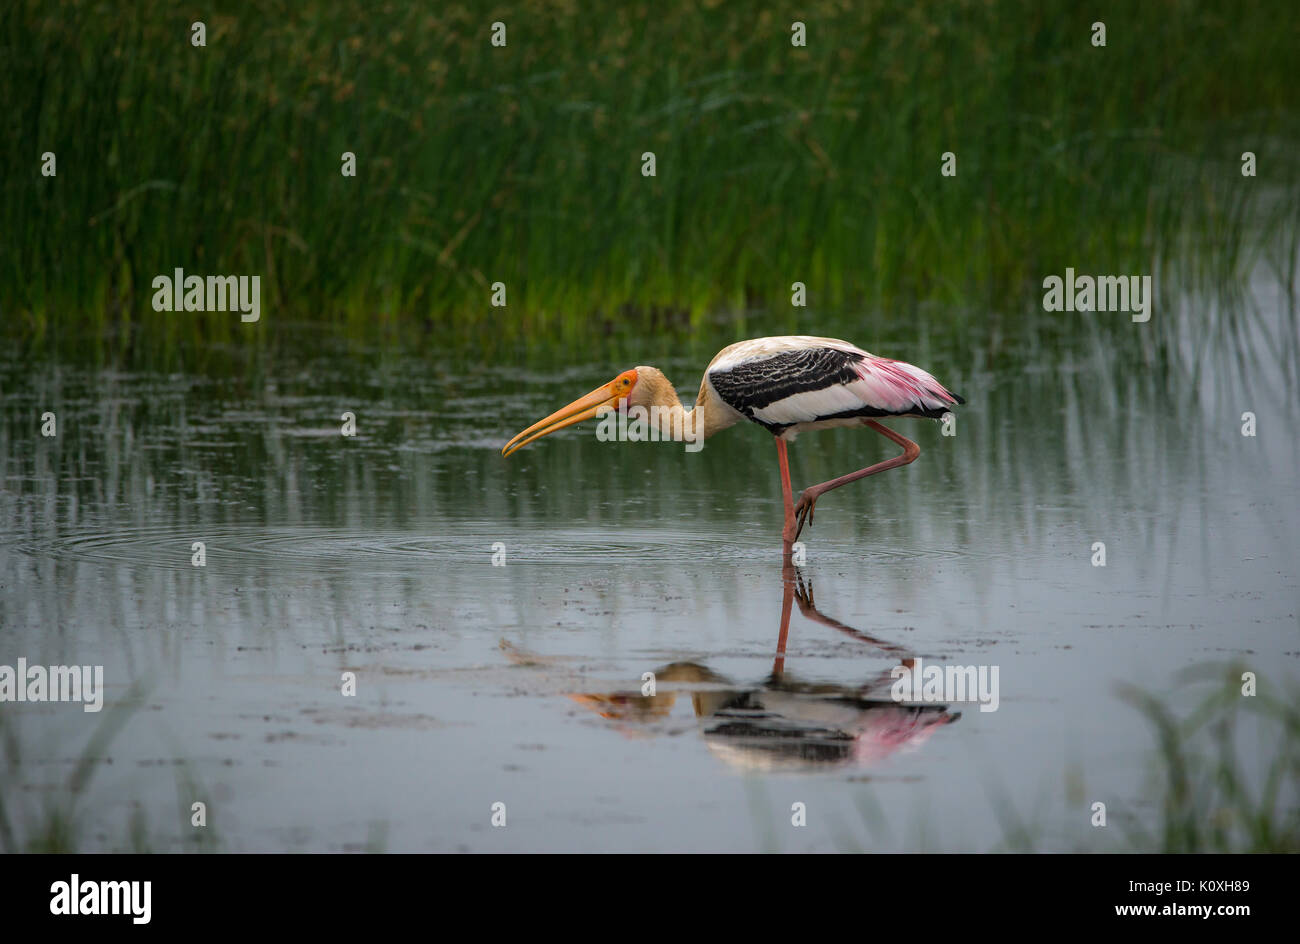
x: 1229, y: 776
x: 522, y: 164
x: 41, y: 812
x: 1224, y: 773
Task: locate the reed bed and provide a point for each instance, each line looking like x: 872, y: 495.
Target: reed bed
x: 522, y: 164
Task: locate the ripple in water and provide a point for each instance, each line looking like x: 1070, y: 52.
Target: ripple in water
x: 414, y: 552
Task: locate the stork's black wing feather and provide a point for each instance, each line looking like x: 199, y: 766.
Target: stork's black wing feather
x: 753, y: 384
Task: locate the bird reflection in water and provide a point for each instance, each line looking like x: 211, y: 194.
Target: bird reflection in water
x: 784, y: 723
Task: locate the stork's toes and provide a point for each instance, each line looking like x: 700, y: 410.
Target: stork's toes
x: 804, y: 510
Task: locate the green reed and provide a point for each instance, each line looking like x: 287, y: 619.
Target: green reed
x: 522, y: 164
x: 1215, y: 795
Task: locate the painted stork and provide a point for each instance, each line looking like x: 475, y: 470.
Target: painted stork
x: 787, y: 385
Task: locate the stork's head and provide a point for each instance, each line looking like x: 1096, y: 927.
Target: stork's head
x: 640, y: 386
x: 606, y: 396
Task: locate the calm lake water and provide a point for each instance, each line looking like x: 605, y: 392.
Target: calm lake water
x: 520, y: 684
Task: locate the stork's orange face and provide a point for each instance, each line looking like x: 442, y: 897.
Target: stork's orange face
x: 605, y: 396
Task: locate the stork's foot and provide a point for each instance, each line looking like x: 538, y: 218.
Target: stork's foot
x: 804, y: 509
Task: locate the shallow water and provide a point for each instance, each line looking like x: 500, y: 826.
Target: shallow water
x: 521, y: 683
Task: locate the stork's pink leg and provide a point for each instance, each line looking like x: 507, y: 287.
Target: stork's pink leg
x: 788, y: 532
x: 808, y: 497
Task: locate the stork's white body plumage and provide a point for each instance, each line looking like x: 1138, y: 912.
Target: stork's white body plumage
x: 788, y: 385
x: 795, y: 383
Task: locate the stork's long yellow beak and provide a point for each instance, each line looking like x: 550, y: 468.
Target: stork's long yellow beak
x: 584, y: 408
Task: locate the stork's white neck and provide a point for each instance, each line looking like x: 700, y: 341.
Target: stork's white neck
x: 675, y: 423
x: 659, y: 422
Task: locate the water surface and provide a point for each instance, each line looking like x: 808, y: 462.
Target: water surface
x: 520, y: 683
